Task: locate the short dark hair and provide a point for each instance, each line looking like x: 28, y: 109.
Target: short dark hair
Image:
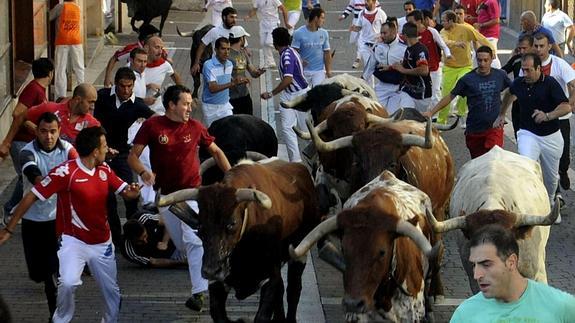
x: 124, y: 73
x: 427, y: 14
x: 146, y: 31
x: 42, y: 67
x: 450, y: 15
x: 89, y: 139
x: 133, y: 229
x: 229, y: 11
x: 136, y: 51
x: 220, y: 41
x: 416, y: 14
x: 172, y: 94
x: 534, y: 57
x: 555, y: 3
x: 526, y: 37
x: 409, y: 30
x: 503, y: 240
x: 540, y: 36
x: 406, y: 3
x: 390, y: 24
x: 48, y: 117
x: 315, y: 13
x: 485, y: 49
x: 281, y: 37
x: 457, y: 6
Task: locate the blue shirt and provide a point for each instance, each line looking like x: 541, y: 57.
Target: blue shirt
x: 215, y: 71
x: 311, y: 45
x: 483, y: 93
x: 540, y: 29
x: 291, y: 65
x: 544, y: 95
x: 424, y: 4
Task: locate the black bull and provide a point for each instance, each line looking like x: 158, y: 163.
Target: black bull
x: 146, y: 10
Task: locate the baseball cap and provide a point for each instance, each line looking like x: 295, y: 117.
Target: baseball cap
x: 238, y: 31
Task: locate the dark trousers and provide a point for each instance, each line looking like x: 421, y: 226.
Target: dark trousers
x: 41, y: 253
x: 120, y: 166
x: 515, y: 117
x: 564, y: 162
x: 243, y: 105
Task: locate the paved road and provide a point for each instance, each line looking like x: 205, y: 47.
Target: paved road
x: 158, y: 295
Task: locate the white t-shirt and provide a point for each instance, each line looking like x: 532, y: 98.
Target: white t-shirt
x: 157, y: 75
x: 211, y: 36
x: 267, y: 11
x: 369, y: 32
x: 557, y: 21
x: 562, y: 72
x: 140, y: 85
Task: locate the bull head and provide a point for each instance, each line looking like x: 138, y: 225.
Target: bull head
x: 224, y: 219
x: 521, y: 220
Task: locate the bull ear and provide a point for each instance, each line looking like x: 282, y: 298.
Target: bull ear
x: 250, y: 194
x: 530, y: 220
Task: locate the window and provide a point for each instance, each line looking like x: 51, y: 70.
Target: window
x: 5, y: 57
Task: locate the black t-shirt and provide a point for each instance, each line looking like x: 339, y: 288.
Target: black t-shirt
x: 418, y: 87
x: 117, y: 121
x: 545, y: 95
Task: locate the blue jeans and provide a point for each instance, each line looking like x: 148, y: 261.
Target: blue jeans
x: 503, y: 6
x: 18, y: 190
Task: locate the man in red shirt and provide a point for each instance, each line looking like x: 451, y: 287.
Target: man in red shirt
x: 18, y: 136
x: 81, y: 221
x: 178, y: 136
x: 488, y: 13
x: 75, y: 114
x: 470, y: 10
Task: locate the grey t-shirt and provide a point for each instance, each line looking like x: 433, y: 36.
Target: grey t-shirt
x: 241, y: 62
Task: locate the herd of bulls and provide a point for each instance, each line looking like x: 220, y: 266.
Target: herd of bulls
x: 375, y: 203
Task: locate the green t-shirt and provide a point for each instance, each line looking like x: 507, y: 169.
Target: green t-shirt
x: 539, y: 304
x: 292, y: 5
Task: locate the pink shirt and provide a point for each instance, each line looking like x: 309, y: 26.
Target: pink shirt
x: 489, y: 10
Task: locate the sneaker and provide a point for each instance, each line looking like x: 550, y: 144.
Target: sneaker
x: 564, y: 181
x: 463, y: 122
x: 196, y: 302
x: 558, y: 220
x: 356, y: 63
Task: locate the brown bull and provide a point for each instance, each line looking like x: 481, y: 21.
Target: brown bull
x: 413, y: 151
x: 246, y: 243
x: 385, y: 241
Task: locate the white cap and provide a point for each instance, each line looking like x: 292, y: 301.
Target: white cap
x: 238, y: 31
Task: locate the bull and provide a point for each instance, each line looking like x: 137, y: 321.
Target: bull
x: 247, y: 223
x: 146, y: 10
x: 385, y: 241
x: 197, y: 36
x: 501, y: 187
x: 415, y: 152
x: 237, y: 136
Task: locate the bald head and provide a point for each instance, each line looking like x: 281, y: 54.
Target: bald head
x: 528, y: 20
x: 83, y: 99
x: 155, y: 47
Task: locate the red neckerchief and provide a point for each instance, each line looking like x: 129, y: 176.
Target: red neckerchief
x: 369, y: 16
x: 156, y: 63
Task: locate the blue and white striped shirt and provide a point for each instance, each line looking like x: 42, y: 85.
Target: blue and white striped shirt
x: 291, y: 65
x: 215, y: 71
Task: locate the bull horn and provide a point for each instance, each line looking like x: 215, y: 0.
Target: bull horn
x: 207, y: 164
x: 255, y: 156
x: 323, y: 146
x: 293, y: 102
x: 178, y: 196
x: 447, y: 225
x: 185, y: 33
x: 372, y: 118
x: 312, y: 238
x: 549, y: 219
x: 250, y: 194
x: 321, y: 127
x: 409, y: 230
x: 447, y: 127
x: 416, y: 140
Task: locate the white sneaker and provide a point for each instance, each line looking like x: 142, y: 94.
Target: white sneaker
x: 558, y: 220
